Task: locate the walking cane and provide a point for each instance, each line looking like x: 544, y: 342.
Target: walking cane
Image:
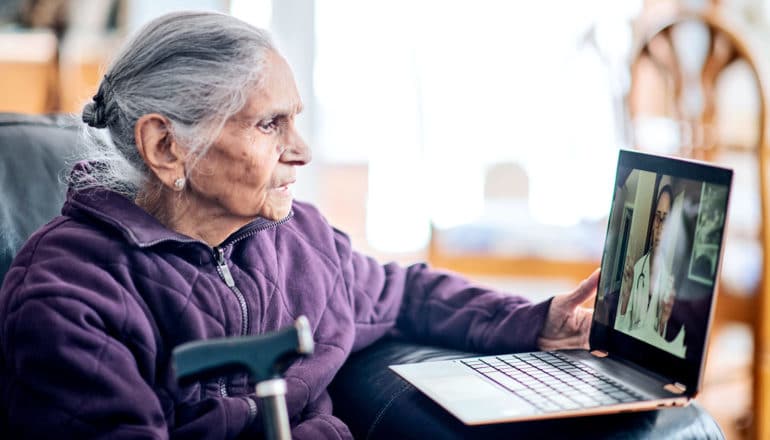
x: 266, y: 357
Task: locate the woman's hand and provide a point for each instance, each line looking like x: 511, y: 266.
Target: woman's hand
x: 568, y: 324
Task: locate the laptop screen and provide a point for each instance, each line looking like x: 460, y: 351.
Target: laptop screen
x: 660, y: 262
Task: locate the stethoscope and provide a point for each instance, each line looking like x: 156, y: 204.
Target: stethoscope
x: 641, y: 283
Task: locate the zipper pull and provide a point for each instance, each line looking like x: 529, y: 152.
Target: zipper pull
x: 223, y: 269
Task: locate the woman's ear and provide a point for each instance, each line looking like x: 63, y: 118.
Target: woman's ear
x: 160, y: 151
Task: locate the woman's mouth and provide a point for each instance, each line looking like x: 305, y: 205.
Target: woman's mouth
x: 285, y: 188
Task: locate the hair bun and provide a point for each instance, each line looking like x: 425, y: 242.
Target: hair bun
x: 93, y: 114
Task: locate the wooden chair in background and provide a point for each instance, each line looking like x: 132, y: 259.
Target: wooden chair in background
x: 28, y: 71
x: 479, y: 252
x: 523, y: 266
x: 680, y: 69
x: 51, y: 60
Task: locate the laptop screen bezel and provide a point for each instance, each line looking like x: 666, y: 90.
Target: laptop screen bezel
x: 625, y: 347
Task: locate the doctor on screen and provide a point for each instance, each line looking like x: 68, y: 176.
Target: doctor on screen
x: 647, y: 292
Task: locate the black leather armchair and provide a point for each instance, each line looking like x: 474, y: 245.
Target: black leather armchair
x: 372, y: 400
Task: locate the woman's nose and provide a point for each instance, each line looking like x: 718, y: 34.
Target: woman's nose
x: 297, y: 150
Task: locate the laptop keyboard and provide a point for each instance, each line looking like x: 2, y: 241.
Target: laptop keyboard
x: 551, y: 381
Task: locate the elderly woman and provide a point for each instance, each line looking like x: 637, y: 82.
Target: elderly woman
x: 181, y: 226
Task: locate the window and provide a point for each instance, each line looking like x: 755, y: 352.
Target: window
x: 430, y: 94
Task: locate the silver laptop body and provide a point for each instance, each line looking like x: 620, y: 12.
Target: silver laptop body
x: 648, y: 341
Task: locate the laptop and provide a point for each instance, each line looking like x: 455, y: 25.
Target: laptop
x: 651, y: 319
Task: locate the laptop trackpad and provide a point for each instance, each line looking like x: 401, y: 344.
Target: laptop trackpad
x: 468, y: 391
x: 452, y: 388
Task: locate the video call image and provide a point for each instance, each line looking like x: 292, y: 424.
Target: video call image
x: 660, y: 259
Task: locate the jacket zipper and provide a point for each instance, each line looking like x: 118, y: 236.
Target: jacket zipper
x: 222, y: 269
x: 227, y: 277
x: 251, y: 232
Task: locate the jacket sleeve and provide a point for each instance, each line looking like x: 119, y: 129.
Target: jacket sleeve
x: 319, y: 423
x: 444, y: 308
x: 436, y: 307
x: 82, y: 369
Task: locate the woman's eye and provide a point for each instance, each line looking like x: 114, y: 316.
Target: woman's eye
x: 268, y: 126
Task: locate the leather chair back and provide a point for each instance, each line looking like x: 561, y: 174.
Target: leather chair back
x: 35, y: 156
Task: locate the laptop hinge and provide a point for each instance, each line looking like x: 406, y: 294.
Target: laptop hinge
x: 676, y: 388
x: 599, y: 353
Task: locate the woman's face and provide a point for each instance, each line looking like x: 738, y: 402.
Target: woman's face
x: 661, y: 213
x: 249, y: 170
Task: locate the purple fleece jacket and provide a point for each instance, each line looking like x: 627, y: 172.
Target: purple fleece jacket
x: 96, y: 300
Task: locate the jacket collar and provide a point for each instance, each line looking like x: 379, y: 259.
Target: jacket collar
x: 137, y: 225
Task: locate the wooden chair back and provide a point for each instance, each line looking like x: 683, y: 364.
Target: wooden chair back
x: 679, y: 65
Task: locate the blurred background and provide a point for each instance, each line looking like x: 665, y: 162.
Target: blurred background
x: 482, y: 135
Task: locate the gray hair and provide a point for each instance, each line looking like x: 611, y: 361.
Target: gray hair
x: 195, y: 68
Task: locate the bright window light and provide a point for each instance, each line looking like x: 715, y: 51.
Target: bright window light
x: 431, y: 93
x: 256, y: 12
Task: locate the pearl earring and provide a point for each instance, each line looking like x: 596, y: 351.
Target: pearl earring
x: 179, y: 183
